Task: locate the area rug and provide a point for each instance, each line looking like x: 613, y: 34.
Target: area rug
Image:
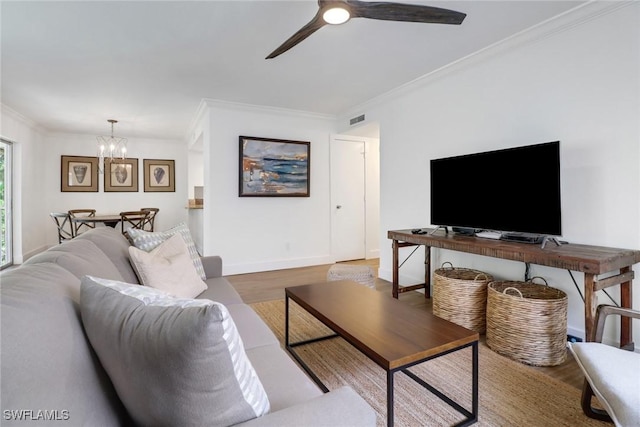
x: 510, y: 393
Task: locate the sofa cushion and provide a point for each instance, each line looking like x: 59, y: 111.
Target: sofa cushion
x: 219, y: 289
x: 168, y: 267
x: 115, y: 246
x: 47, y: 362
x: 341, y: 407
x: 614, y: 377
x: 148, y: 240
x: 79, y: 257
x: 172, y: 361
x: 252, y: 329
x: 285, y: 383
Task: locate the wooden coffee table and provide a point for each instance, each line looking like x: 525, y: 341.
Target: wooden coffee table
x: 389, y: 332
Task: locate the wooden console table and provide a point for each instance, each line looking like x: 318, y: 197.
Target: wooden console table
x: 590, y: 260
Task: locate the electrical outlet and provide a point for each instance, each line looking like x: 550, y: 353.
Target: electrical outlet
x: 573, y: 338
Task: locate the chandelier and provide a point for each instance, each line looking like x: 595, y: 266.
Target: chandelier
x: 111, y: 147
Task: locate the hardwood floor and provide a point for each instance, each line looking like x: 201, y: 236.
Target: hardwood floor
x: 269, y: 285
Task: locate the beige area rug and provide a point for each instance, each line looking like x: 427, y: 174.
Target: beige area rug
x: 510, y: 393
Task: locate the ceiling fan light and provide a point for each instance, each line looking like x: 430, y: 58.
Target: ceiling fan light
x: 336, y: 16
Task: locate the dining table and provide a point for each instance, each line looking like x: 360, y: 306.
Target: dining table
x: 110, y: 220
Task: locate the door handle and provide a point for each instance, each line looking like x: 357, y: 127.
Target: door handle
x: 338, y: 206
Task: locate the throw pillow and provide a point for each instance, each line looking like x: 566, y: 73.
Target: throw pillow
x: 172, y: 361
x: 148, y: 240
x: 168, y: 267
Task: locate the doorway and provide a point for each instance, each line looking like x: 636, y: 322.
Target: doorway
x: 355, y: 188
x: 348, y: 214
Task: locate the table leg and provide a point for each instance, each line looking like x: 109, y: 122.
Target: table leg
x: 395, y: 281
x: 475, y: 381
x: 427, y: 271
x: 626, y: 300
x: 286, y: 321
x: 389, y: 398
x: 590, y: 306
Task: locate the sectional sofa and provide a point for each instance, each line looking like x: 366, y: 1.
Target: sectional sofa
x: 51, y: 372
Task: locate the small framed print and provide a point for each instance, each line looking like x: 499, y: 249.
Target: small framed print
x: 78, y: 174
x: 121, y: 175
x: 159, y: 175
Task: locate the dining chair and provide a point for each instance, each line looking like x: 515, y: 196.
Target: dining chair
x: 150, y: 221
x: 78, y: 227
x: 63, y: 223
x: 133, y: 219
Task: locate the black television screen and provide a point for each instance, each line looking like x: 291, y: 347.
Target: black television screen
x: 509, y: 190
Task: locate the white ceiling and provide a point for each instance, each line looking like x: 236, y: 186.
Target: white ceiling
x: 70, y: 66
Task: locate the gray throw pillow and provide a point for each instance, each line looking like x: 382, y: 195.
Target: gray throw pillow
x: 173, y: 361
x: 149, y: 240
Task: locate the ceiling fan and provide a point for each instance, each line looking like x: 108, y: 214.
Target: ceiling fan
x: 340, y: 11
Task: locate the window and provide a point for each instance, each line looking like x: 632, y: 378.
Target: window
x: 6, y: 253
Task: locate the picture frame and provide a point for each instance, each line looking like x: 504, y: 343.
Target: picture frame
x: 159, y: 175
x: 78, y: 174
x: 120, y: 175
x: 273, y: 167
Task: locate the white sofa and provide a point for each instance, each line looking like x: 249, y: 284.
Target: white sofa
x: 50, y: 372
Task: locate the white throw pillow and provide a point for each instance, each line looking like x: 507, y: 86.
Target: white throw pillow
x: 149, y: 240
x: 169, y: 268
x: 172, y: 361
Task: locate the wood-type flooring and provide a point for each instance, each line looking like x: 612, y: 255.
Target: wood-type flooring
x: 269, y: 285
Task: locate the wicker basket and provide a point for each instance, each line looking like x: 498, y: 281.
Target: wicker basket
x: 527, y: 322
x: 362, y: 274
x: 460, y: 296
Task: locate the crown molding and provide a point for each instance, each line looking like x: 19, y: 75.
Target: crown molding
x: 565, y: 21
x: 264, y: 109
x: 206, y: 104
x: 6, y: 110
x: 193, y: 130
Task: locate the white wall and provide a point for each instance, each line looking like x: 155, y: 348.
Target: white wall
x: 372, y: 198
x: 195, y: 165
x: 576, y: 80
x: 264, y: 233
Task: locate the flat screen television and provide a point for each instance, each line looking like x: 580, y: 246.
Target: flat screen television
x: 514, y: 190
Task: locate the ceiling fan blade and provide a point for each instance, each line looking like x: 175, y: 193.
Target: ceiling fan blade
x: 314, y: 25
x: 389, y: 11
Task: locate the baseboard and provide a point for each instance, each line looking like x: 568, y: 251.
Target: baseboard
x: 244, y: 268
x: 373, y: 254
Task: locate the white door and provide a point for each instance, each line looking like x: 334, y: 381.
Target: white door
x: 347, y: 198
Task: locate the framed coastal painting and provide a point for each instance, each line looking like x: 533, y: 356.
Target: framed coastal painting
x: 121, y: 175
x: 159, y: 175
x: 273, y: 167
x: 78, y: 174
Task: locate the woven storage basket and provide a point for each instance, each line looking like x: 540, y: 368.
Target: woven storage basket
x: 358, y: 273
x: 460, y: 296
x: 527, y: 322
